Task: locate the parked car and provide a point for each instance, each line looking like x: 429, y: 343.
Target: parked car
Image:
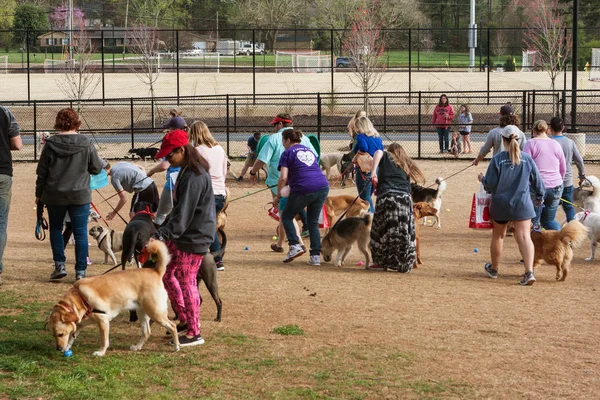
x: 345, y: 62
x: 246, y: 49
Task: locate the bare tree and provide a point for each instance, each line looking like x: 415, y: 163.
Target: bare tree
x: 365, y: 44
x: 145, y: 44
x: 499, y: 44
x: 79, y: 80
x: 546, y: 34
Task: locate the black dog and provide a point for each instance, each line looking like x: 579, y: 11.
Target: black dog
x: 144, y: 152
x: 347, y: 168
x: 137, y: 232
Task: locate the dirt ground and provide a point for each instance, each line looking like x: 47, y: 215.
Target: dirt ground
x: 503, y: 340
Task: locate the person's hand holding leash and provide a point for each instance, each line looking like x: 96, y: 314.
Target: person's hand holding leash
x: 480, y: 176
x: 374, y: 180
x: 110, y: 216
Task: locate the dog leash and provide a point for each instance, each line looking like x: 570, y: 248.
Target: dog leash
x: 350, y: 206
x: 105, y: 200
x: 573, y: 204
x: 253, y: 193
x: 448, y: 177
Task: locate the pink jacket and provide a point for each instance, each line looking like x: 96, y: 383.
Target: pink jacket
x: 442, y: 116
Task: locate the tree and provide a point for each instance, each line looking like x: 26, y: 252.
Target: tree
x: 59, y: 17
x: 29, y: 18
x: 159, y: 12
x: 546, y: 33
x: 365, y: 44
x: 7, y: 11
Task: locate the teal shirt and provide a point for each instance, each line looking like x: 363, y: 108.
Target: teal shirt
x: 271, y: 153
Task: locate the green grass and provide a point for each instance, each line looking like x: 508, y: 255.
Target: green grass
x: 289, y: 330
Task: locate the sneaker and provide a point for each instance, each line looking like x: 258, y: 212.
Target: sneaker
x: 239, y: 179
x: 220, y: 266
x: 521, y: 261
x: 185, y: 341
x: 492, y: 273
x: 79, y: 275
x: 376, y: 267
x: 305, y: 234
x: 528, y: 279
x: 295, y: 252
x: 88, y: 261
x: 59, y: 272
x: 314, y: 260
x: 276, y: 249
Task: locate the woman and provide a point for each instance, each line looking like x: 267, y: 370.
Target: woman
x: 443, y: 114
x: 188, y: 233
x: 510, y: 177
x: 465, y: 122
x: 367, y: 142
x: 63, y: 185
x: 393, y: 240
x: 351, y: 127
x: 207, y: 146
x: 299, y: 168
x: 550, y: 161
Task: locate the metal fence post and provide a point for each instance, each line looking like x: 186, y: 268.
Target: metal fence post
x: 177, y: 55
x: 563, y: 106
x: 28, y: 68
x: 131, y: 121
x: 524, y: 110
x: 34, y: 130
x: 102, y: 67
x: 533, y: 107
x: 235, y: 114
x: 409, y: 65
x: 227, y: 118
x: 319, y: 116
x: 152, y: 113
x: 385, y: 114
x: 254, y: 67
x: 489, y: 67
x: 332, y: 59
x: 419, y: 127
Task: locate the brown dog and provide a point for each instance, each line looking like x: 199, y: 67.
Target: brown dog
x: 421, y: 209
x: 336, y: 205
x: 342, y: 236
x: 99, y: 299
x: 556, y: 247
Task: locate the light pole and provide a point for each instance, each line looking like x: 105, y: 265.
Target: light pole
x: 574, y: 68
x: 472, y: 37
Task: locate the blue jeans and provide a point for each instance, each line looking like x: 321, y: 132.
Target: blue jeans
x: 314, y: 204
x: 5, y: 195
x: 569, y: 210
x: 79, y: 219
x: 216, y: 245
x: 365, y: 188
x: 545, y: 215
x: 443, y: 138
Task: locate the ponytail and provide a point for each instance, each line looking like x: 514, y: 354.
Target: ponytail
x: 514, y: 152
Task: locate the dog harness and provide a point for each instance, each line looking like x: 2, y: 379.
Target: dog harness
x: 103, y: 236
x: 88, y: 308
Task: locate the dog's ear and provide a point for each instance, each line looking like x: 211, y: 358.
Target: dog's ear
x: 69, y: 318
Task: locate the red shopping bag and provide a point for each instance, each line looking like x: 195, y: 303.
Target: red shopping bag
x: 323, y: 218
x: 480, y: 210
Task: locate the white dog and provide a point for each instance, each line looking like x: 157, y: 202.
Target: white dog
x: 41, y: 137
x: 589, y: 200
x: 327, y: 161
x: 591, y: 221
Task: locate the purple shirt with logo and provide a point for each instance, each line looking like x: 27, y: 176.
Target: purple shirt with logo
x: 304, y: 173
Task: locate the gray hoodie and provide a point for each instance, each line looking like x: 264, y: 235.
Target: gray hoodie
x: 63, y: 172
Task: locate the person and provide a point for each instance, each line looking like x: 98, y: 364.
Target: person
x: 188, y: 232
x: 367, y: 141
x: 550, y: 161
x: 465, y: 122
x: 251, y: 156
x: 442, y: 117
x: 299, y: 168
x: 269, y: 155
x: 129, y: 178
x: 510, y: 177
x: 10, y: 140
x: 571, y: 155
x: 494, y: 139
x: 214, y: 154
x: 393, y: 239
x: 63, y: 185
x: 176, y: 121
x: 351, y: 127
x: 165, y: 203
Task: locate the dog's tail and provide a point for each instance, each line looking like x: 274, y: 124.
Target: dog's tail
x: 441, y: 187
x: 367, y: 219
x: 158, y: 249
x: 595, y: 184
x: 573, y: 233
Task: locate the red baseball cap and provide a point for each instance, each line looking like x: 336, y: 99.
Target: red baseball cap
x: 279, y: 119
x: 171, y: 141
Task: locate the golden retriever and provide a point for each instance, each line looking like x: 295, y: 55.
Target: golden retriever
x: 99, y: 299
x: 421, y: 209
x: 336, y: 205
x: 556, y: 247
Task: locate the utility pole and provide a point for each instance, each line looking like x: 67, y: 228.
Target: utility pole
x: 472, y: 37
x: 125, y: 33
x: 70, y: 29
x: 574, y: 67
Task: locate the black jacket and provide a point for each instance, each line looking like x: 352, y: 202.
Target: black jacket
x: 192, y: 223
x: 63, y: 172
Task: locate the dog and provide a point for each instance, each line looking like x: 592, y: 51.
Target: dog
x: 342, y: 236
x: 347, y: 171
x: 556, y: 247
x: 137, y: 232
x: 589, y: 200
x: 144, y: 152
x: 41, y: 138
x: 336, y: 205
x: 99, y: 300
x: 208, y: 274
x: 431, y: 196
x: 421, y: 209
x: 327, y: 161
x: 591, y: 221
x: 109, y: 241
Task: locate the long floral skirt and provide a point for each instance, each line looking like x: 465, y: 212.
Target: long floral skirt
x: 393, y: 239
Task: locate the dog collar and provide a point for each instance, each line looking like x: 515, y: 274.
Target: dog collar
x: 86, y: 305
x: 585, y: 214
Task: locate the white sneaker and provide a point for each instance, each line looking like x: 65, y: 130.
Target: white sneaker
x: 314, y: 260
x: 295, y: 251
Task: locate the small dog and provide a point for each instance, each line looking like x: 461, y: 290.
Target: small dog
x: 41, y: 138
x: 421, y: 209
x: 431, y: 196
x: 99, y: 300
x: 109, y: 241
x: 347, y: 171
x: 556, y: 247
x: 327, y: 161
x: 591, y: 221
x: 137, y: 232
x: 455, y: 147
x: 343, y: 235
x: 336, y: 205
x: 144, y: 152
x: 589, y: 200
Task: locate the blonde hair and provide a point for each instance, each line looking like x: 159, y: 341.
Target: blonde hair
x: 511, y: 144
x: 364, y: 125
x: 359, y: 113
x: 540, y: 126
x: 401, y: 159
x: 200, y: 134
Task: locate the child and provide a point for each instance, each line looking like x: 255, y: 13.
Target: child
x: 251, y: 156
x: 455, y: 144
x: 465, y: 120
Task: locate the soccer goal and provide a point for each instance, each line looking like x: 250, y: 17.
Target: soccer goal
x: 594, y: 72
x: 528, y: 62
x: 313, y: 63
x: 287, y: 61
x: 58, y: 66
x: 3, y: 64
x: 201, y: 60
